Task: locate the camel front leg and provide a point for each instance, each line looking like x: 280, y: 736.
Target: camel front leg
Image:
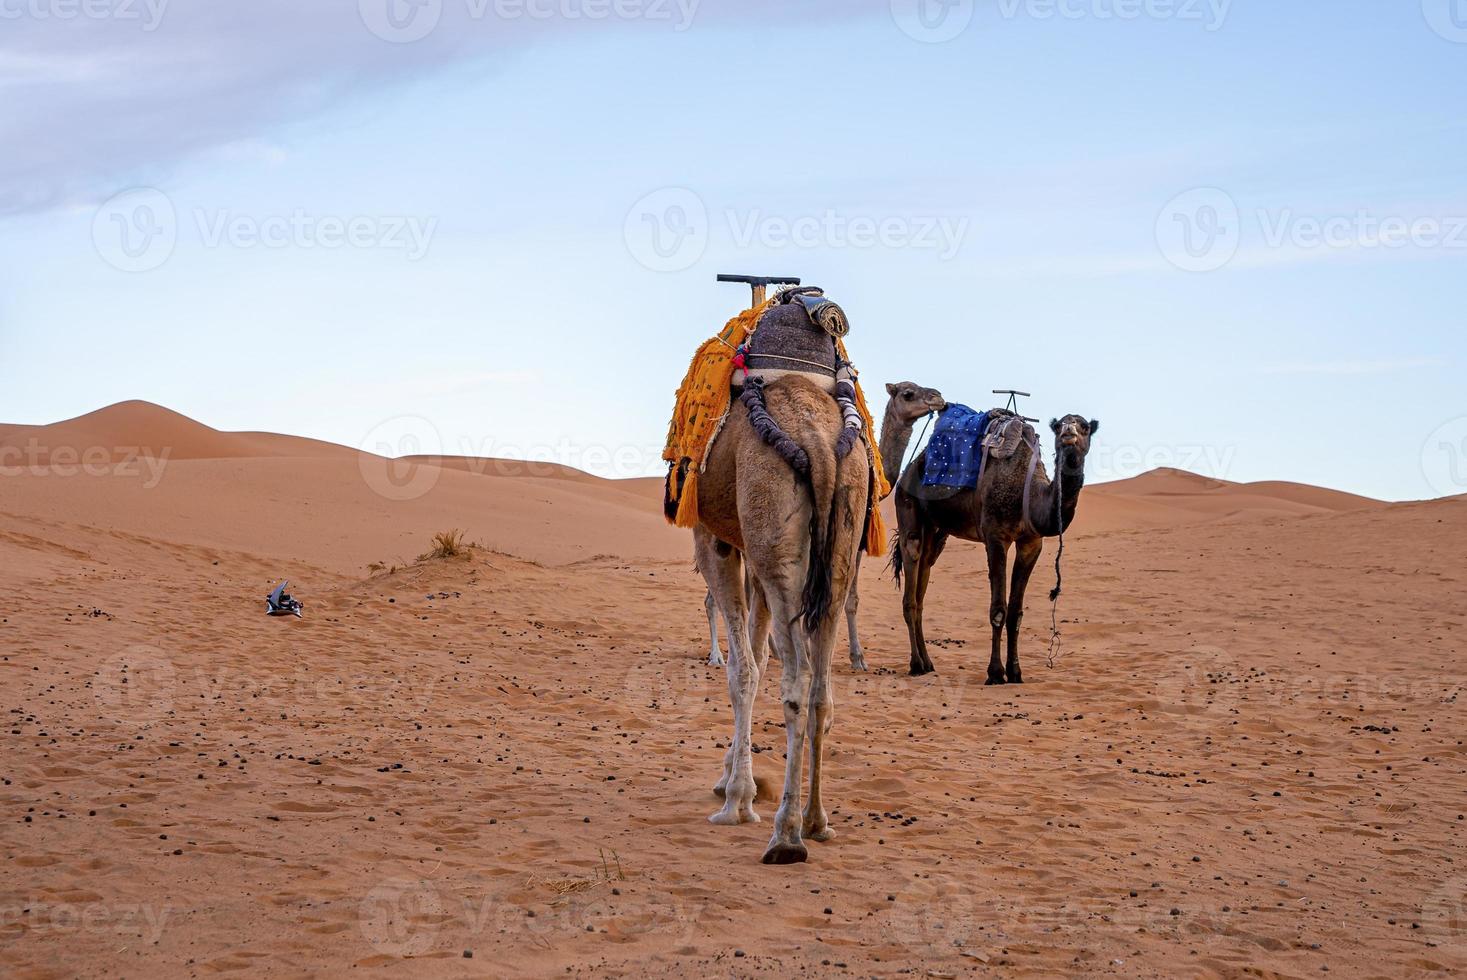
x: 1026, y: 553
x: 715, y: 656
x: 853, y: 601
x: 758, y: 623
x: 998, y: 560
x: 723, y: 567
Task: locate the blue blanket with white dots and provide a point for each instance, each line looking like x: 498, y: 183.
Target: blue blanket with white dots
x: 954, y: 455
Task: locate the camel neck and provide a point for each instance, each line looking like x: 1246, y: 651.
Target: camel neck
x: 895, y: 434
x: 1070, y: 476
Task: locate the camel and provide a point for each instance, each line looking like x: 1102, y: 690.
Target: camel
x: 907, y: 402
x: 996, y: 514
x: 799, y: 535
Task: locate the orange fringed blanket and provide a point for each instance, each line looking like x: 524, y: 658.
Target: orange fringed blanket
x: 702, y: 406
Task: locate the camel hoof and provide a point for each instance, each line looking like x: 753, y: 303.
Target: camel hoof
x: 858, y: 664
x: 783, y: 853
x: 715, y: 661
x: 732, y: 818
x: 820, y: 836
x: 994, y: 680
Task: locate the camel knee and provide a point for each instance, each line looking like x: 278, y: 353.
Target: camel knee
x: 996, y: 617
x: 911, y: 609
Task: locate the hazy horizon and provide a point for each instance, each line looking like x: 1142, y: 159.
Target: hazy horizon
x: 1234, y: 232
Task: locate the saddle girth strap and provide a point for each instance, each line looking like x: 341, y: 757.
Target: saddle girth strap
x: 1029, y: 482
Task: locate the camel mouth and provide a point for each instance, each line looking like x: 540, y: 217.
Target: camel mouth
x: 1069, y: 439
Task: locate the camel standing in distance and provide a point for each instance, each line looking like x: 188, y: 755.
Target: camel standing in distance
x: 906, y: 403
x: 800, y: 537
x: 993, y: 513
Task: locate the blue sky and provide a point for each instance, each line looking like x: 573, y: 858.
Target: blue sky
x: 500, y: 238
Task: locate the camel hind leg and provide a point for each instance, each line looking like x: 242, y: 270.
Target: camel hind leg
x: 715, y: 655
x: 853, y: 602
x: 786, y: 845
x: 723, y: 567
x: 816, y: 824
x: 998, y: 560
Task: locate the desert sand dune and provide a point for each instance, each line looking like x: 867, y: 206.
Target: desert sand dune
x: 1246, y: 758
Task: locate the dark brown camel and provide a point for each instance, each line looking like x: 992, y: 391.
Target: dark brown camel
x: 993, y: 514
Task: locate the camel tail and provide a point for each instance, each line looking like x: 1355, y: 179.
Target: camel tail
x: 815, y: 598
x: 895, y: 560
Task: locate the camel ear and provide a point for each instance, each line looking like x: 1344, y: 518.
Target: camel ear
x: 1094, y: 426
x: 890, y: 388
x: 1054, y: 426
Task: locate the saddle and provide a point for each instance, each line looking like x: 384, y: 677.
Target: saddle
x: 797, y: 331
x: 961, y: 446
x: 795, y: 335
x: 1006, y: 432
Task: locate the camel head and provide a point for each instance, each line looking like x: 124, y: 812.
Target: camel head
x: 1072, y: 438
x: 910, y: 401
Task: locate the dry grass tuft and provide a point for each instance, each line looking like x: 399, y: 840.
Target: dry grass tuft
x: 447, y: 544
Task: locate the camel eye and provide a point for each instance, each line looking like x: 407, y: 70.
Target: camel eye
x: 909, y: 395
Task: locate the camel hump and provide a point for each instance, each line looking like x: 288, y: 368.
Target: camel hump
x: 804, y: 409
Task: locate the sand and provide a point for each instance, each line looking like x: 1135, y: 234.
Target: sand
x: 1246, y: 759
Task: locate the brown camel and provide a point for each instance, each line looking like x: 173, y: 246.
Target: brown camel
x: 907, y: 403
x: 994, y: 513
x: 799, y: 535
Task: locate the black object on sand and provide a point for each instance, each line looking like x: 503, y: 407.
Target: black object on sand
x: 280, y: 602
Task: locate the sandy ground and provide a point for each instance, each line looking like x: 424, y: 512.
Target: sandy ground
x: 1246, y: 758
